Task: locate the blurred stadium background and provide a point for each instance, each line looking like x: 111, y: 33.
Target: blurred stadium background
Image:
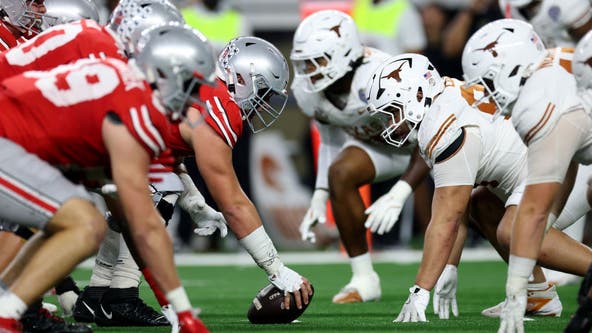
x: 276, y: 168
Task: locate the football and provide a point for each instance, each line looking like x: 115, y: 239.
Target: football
x: 268, y: 308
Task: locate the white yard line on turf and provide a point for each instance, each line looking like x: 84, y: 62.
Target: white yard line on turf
x: 324, y: 257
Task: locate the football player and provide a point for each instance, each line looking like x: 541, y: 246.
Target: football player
x: 537, y: 88
x: 464, y: 147
x: 332, y: 68
x: 117, y: 121
x: 582, y: 67
x: 85, y: 38
x: 560, y: 23
x: 251, y: 87
x: 19, y: 21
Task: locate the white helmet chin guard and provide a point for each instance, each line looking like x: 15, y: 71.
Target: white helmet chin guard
x: 501, y: 56
x: 326, y: 47
x: 400, y: 92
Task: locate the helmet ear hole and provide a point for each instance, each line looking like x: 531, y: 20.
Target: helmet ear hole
x: 419, y: 94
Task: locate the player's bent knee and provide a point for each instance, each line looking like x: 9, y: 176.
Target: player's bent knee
x: 504, y: 234
x: 80, y: 216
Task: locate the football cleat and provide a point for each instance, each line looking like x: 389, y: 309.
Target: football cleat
x: 123, y: 307
x: 540, y: 303
x: 39, y: 320
x: 87, y: 304
x: 359, y: 289
x: 582, y: 320
x: 10, y: 325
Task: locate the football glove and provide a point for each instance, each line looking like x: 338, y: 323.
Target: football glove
x: 286, y: 279
x: 414, y: 308
x: 205, y: 217
x: 512, y: 315
x: 317, y: 213
x: 384, y: 213
x: 445, y: 293
x: 67, y: 301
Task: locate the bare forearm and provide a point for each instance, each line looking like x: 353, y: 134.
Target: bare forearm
x: 242, y: 219
x: 439, y: 240
x: 459, y: 244
x: 416, y: 172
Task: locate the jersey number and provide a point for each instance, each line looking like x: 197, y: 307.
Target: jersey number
x: 70, y: 85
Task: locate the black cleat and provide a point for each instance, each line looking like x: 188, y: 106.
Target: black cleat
x: 39, y: 320
x: 585, y: 286
x: 581, y: 322
x: 87, y: 304
x: 123, y: 307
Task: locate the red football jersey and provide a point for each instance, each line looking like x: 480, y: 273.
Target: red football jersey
x: 58, y: 114
x: 59, y: 45
x: 220, y: 112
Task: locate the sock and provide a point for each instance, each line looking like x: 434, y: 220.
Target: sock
x: 538, y: 286
x: 126, y: 273
x: 178, y: 299
x: 106, y: 258
x: 11, y: 306
x: 361, y: 265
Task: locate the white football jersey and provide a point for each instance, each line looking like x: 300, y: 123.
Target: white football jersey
x: 547, y: 94
x: 503, y: 155
x: 353, y: 117
x: 554, y: 18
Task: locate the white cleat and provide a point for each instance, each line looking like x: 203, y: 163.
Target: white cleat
x: 540, y: 303
x: 360, y: 289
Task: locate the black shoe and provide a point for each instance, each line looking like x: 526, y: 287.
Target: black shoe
x: 123, y: 307
x: 41, y: 321
x: 582, y: 320
x: 87, y: 304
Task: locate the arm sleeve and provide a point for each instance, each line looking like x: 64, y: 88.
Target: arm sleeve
x: 332, y: 139
x: 460, y: 168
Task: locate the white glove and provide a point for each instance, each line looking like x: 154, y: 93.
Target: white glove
x: 67, y: 301
x: 512, y: 315
x: 171, y: 316
x: 286, y: 279
x: 414, y: 308
x: 206, y: 218
x: 317, y: 213
x: 445, y: 293
x: 384, y: 213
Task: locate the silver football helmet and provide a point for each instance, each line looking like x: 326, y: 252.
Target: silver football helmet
x: 326, y: 47
x: 177, y: 60
x: 65, y: 11
x: 132, y: 17
x: 20, y: 14
x: 400, y: 92
x: 256, y: 74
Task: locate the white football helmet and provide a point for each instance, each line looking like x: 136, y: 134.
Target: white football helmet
x: 518, y: 3
x: 582, y: 69
x: 134, y: 17
x: 66, y: 11
x: 326, y: 47
x: 501, y: 56
x: 20, y: 14
x: 256, y: 74
x: 177, y: 60
x: 400, y: 92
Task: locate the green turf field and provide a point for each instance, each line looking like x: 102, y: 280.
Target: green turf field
x: 224, y: 294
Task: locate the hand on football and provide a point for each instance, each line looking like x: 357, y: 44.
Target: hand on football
x: 445, y: 293
x: 317, y: 213
x: 291, y: 282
